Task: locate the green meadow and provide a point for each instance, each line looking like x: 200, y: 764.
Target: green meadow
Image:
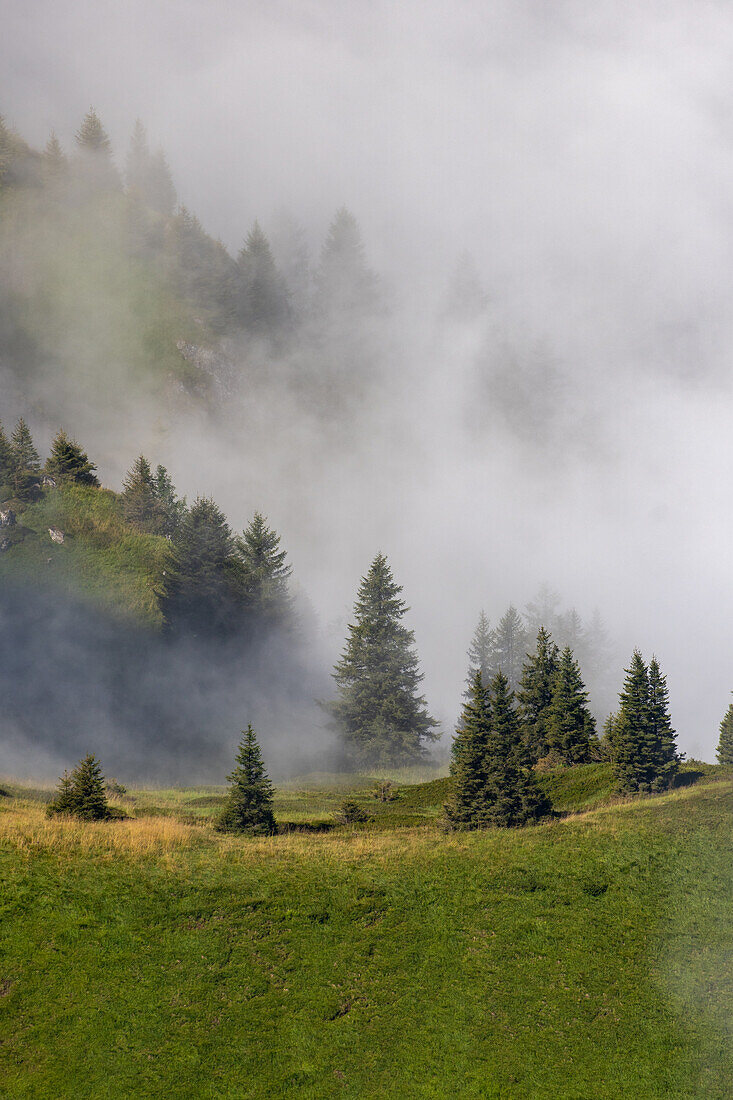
x: 586, y: 957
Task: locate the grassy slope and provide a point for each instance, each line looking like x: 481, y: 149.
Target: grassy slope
x: 587, y: 958
x: 102, y: 560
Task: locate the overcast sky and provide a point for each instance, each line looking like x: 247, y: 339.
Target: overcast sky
x: 583, y: 153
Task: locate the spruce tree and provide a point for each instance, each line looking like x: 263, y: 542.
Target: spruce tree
x: 265, y: 574
x: 68, y: 463
x: 55, y: 164
x: 94, y: 161
x: 661, y: 733
x: 205, y: 589
x: 161, y: 191
x: 264, y: 299
x: 378, y: 714
x: 481, y: 654
x: 88, y: 790
x: 248, y: 808
x: 344, y: 283
x: 170, y: 509
x: 92, y: 136
x: 25, y: 465
x: 137, y: 162
x: 570, y: 725
x: 466, y: 808
x: 510, y: 641
x: 139, y: 500
x: 6, y: 462
x: 725, y: 744
x: 633, y: 747
x: 511, y: 796
x: 534, y: 693
x: 64, y: 800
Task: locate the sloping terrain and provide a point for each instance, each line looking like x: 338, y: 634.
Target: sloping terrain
x: 584, y: 958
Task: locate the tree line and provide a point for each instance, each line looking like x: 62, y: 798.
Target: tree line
x: 269, y: 288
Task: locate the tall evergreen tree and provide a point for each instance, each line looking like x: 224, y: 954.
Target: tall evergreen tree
x: 543, y: 610
x: 204, y: 592
x: 570, y: 725
x: 170, y: 509
x: 139, y: 500
x: 264, y: 298
x: 25, y: 465
x: 511, y: 796
x: 137, y: 162
x: 68, y: 463
x: 55, y: 164
x: 662, y: 735
x: 249, y: 804
x: 725, y: 744
x: 633, y: 741
x: 64, y: 799
x: 265, y: 574
x: 481, y: 654
x: 534, y: 693
x: 89, y: 794
x: 344, y: 283
x: 92, y: 136
x: 510, y: 641
x: 6, y: 459
x: 94, y: 160
x: 378, y: 713
x: 467, y: 807
x: 161, y: 193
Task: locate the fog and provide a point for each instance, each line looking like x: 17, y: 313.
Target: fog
x: 576, y: 431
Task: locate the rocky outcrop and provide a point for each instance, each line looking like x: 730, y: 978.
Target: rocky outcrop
x: 56, y: 534
x: 7, y: 517
x: 219, y: 369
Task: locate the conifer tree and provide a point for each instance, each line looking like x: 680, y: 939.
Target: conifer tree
x: 725, y: 744
x: 89, y: 794
x: 204, y: 592
x: 6, y: 463
x: 94, y: 159
x: 25, y: 465
x: 661, y: 733
x: 344, y: 283
x: 570, y: 725
x: 265, y: 574
x: 68, y: 463
x: 161, y: 193
x: 264, y: 299
x: 379, y: 715
x: 139, y: 501
x: 249, y: 804
x: 534, y: 693
x: 64, y: 800
x: 92, y: 136
x: 512, y: 797
x: 55, y: 164
x: 633, y: 745
x: 510, y: 641
x: 467, y: 806
x: 170, y: 509
x: 481, y: 654
x: 137, y: 162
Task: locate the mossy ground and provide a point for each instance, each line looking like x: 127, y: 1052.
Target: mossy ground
x: 588, y: 957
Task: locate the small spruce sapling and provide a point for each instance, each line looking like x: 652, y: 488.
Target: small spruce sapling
x: 249, y: 805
